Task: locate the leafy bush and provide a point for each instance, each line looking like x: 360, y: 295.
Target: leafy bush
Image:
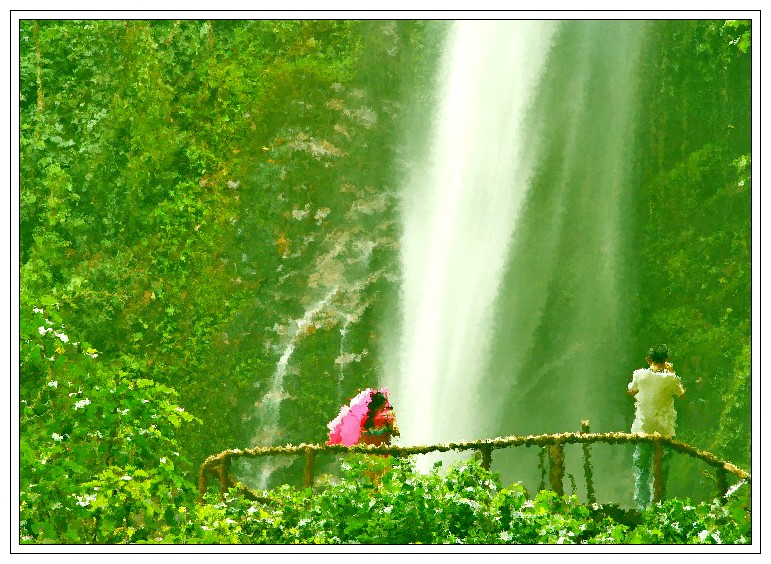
x: 676, y: 521
x: 99, y: 461
x: 385, y: 501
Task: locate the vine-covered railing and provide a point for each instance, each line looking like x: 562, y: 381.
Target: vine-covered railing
x: 218, y: 465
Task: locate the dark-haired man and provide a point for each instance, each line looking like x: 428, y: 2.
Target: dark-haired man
x: 654, y: 389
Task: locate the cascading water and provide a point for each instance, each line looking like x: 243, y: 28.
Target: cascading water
x: 341, y: 358
x: 513, y: 294
x: 270, y: 407
x: 460, y: 210
x: 341, y: 305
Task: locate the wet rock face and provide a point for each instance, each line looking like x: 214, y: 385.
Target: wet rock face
x: 337, y: 251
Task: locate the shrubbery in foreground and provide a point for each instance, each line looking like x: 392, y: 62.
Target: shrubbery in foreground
x: 466, y: 506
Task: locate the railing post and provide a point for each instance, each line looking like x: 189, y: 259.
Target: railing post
x: 585, y: 447
x: 542, y: 466
x: 310, y: 456
x: 557, y: 467
x: 722, y: 483
x: 487, y: 456
x: 224, y: 476
x: 658, y: 474
x: 203, y: 482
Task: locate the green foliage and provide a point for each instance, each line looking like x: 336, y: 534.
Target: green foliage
x: 99, y: 461
x: 380, y: 501
x: 740, y: 33
x: 160, y: 163
x: 676, y: 521
x: 694, y: 231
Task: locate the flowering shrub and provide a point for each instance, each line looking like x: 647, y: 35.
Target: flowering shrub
x: 98, y: 458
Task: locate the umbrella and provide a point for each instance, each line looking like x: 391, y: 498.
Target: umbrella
x: 346, y: 427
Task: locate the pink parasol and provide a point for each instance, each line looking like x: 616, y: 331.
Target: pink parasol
x: 346, y: 427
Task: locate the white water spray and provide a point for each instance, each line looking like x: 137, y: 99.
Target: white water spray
x: 270, y: 407
x: 460, y: 208
x: 341, y: 376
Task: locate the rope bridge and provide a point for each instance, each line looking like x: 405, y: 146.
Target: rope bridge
x: 218, y: 465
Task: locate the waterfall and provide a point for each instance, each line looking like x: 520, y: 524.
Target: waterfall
x: 460, y: 208
x: 270, y: 407
x: 513, y: 314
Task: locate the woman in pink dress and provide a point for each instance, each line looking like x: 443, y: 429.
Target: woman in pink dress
x: 377, y: 429
x: 380, y: 424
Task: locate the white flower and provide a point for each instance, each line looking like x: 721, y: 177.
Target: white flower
x: 84, y: 501
x: 121, y: 411
x: 42, y: 330
x: 37, y: 310
x: 163, y: 460
x: 180, y: 409
x: 52, y: 384
x: 703, y: 535
x: 82, y: 403
x: 63, y: 337
x: 126, y: 478
x: 57, y: 437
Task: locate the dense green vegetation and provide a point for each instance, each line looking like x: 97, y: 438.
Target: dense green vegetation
x: 695, y: 238
x: 187, y: 187
x: 179, y: 181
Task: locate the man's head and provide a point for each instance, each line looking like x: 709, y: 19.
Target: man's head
x: 658, y: 354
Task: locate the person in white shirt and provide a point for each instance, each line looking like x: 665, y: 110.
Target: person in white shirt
x: 654, y: 389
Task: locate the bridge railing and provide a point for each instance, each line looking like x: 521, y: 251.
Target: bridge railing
x: 219, y: 465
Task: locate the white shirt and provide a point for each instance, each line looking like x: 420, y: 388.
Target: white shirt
x: 654, y: 401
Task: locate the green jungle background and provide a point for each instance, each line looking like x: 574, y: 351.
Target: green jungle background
x: 186, y: 187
